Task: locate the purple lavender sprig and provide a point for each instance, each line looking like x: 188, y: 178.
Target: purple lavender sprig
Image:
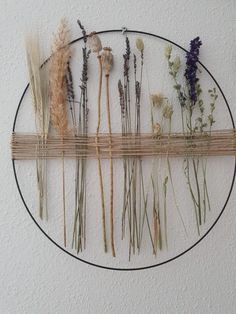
x: 126, y: 57
x: 191, y: 68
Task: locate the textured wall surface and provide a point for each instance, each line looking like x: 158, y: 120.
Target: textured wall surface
x: 36, y: 277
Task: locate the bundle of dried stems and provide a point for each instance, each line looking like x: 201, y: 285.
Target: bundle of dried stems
x: 39, y: 90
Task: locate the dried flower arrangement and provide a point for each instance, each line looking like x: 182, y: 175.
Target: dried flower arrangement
x: 144, y: 207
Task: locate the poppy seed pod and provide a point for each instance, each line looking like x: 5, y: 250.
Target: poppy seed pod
x: 139, y: 44
x: 107, y: 59
x: 94, y: 42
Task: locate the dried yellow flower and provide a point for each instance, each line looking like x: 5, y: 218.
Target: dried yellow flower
x: 94, y: 42
x: 167, y: 111
x: 168, y: 50
x: 157, y: 129
x: 107, y: 59
x: 157, y: 99
x: 139, y: 44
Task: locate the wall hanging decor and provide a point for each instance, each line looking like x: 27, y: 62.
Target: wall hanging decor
x: 120, y: 146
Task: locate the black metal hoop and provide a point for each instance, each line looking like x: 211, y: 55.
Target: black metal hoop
x: 221, y: 212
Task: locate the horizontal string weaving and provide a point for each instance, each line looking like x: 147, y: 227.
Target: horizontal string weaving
x: 34, y: 146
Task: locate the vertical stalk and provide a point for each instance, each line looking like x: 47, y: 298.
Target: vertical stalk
x: 111, y: 165
x: 98, y: 157
x: 171, y: 181
x: 195, y: 171
x: 165, y: 209
x: 63, y: 194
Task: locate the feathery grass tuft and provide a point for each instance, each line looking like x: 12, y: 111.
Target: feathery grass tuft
x: 39, y: 90
x: 58, y: 93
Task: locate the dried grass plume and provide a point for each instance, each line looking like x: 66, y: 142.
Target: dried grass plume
x: 58, y: 66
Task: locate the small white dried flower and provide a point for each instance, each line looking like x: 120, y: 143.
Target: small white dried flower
x: 157, y: 99
x: 176, y: 64
x: 168, y: 50
x: 94, y: 42
x: 167, y: 111
x: 157, y: 129
x: 107, y: 59
x: 139, y: 44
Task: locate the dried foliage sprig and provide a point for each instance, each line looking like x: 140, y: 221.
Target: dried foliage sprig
x: 183, y: 100
x: 39, y: 90
x: 192, y: 105
x: 58, y: 95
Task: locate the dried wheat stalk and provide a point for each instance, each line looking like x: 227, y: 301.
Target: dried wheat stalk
x: 39, y: 91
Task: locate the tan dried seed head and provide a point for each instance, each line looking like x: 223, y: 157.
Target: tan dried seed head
x: 157, y: 129
x: 107, y: 59
x: 167, y: 111
x: 140, y: 44
x: 157, y: 99
x: 168, y: 50
x: 94, y: 42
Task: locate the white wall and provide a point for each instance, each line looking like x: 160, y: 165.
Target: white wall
x: 36, y: 277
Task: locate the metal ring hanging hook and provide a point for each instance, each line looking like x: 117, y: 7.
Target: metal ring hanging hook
x: 124, y: 30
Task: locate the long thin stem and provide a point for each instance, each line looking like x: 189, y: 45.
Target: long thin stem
x: 64, y: 197
x: 172, y: 184
x: 98, y: 157
x: 165, y: 209
x: 111, y: 166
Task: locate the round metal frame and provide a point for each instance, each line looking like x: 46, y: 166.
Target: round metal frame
x: 123, y: 31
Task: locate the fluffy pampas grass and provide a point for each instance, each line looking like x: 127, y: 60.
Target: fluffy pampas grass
x: 58, y: 93
x: 58, y: 67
